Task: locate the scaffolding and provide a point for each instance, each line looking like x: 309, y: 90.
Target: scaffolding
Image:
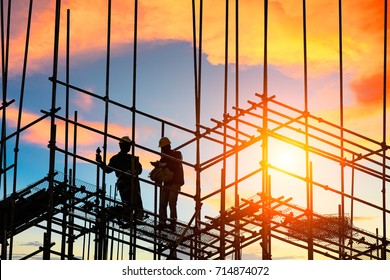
x: 82, y: 220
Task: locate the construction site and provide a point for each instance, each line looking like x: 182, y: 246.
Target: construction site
x: 259, y: 203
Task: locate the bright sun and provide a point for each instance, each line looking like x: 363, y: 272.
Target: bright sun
x: 285, y: 156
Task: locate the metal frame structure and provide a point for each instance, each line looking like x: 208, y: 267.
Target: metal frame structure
x: 81, y: 214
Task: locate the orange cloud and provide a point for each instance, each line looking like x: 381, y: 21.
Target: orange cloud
x: 367, y: 121
x: 368, y: 89
x: 172, y: 20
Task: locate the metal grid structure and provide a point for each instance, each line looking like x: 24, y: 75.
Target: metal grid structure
x: 81, y: 214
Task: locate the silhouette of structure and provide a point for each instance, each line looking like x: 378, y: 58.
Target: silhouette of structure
x: 80, y: 214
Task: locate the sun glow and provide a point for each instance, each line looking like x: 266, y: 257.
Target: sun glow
x: 286, y: 157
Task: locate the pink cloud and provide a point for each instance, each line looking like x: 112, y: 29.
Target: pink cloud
x: 84, y: 101
x: 39, y: 134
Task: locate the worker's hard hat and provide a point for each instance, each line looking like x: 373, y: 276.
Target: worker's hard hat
x: 163, y: 142
x: 125, y: 139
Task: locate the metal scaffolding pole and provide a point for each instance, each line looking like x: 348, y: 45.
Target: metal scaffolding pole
x: 198, y: 95
x: 237, y: 252
x: 225, y: 104
x: 265, y: 233
x: 5, y: 104
x: 309, y: 188
x: 342, y: 165
x: 134, y: 99
x: 52, y: 144
x: 385, y: 147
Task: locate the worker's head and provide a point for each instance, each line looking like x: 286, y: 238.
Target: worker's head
x: 125, y: 143
x: 164, y: 143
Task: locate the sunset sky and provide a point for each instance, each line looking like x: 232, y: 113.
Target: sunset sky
x: 165, y: 78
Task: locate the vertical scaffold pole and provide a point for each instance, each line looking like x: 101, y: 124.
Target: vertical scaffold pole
x: 306, y: 116
x: 342, y: 163
x: 223, y: 184
x: 66, y: 140
x: 67, y: 56
x: 134, y: 99
x: 197, y: 122
x: 265, y: 244
x: 3, y: 149
x: 21, y: 101
x: 237, y: 254
x: 197, y: 85
x: 52, y: 143
x: 72, y: 184
x: 101, y: 219
x: 384, y: 145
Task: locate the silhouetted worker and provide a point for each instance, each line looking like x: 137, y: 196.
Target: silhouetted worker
x: 127, y: 168
x: 170, y: 189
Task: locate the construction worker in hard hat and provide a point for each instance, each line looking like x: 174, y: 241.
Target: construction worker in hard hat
x: 170, y: 189
x: 127, y: 168
x: 164, y: 141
